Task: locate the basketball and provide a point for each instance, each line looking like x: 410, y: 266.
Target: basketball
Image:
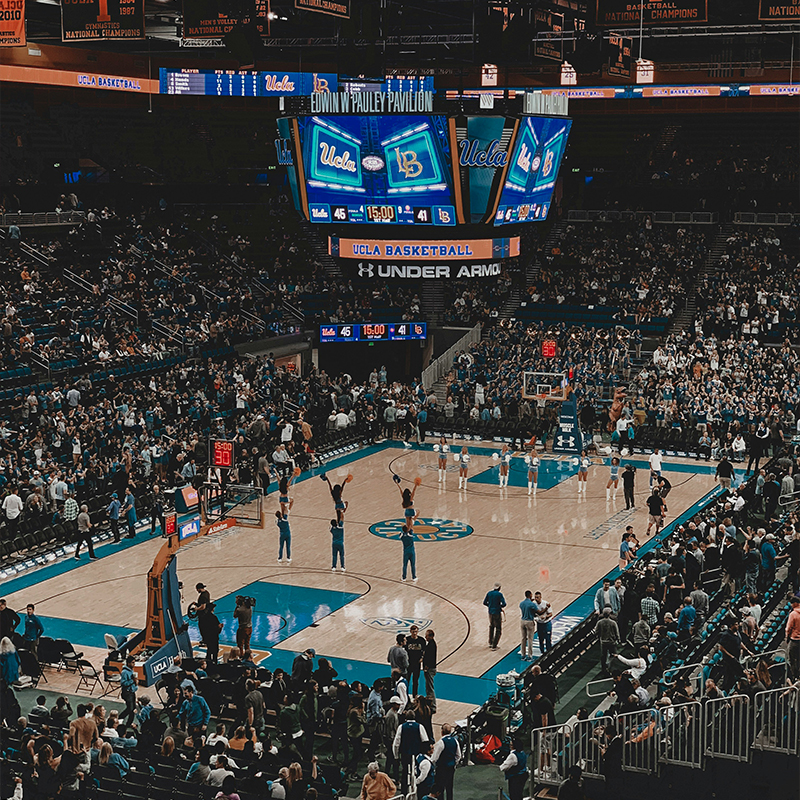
x: 296, y: 471
x: 349, y: 478
x: 417, y: 481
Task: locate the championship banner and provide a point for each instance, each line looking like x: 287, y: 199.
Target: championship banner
x: 619, y: 59
x: 786, y: 11
x: 625, y: 13
x: 101, y: 19
x: 214, y: 19
x: 552, y: 24
x: 336, y: 8
x: 12, y: 23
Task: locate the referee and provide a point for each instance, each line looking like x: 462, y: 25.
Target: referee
x: 628, y: 478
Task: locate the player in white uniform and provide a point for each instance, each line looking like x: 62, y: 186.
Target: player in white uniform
x: 463, y: 458
x: 533, y: 462
x: 442, y: 449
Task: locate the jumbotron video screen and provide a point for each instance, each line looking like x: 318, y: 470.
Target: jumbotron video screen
x: 423, y: 170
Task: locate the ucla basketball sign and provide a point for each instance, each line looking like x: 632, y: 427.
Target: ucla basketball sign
x: 425, y: 530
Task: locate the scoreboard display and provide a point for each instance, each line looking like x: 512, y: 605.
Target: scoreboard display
x: 373, y: 332
x: 422, y: 170
x: 244, y: 83
x: 378, y: 170
x: 533, y: 169
x: 221, y: 454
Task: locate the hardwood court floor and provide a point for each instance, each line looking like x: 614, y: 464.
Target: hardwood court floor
x: 557, y: 542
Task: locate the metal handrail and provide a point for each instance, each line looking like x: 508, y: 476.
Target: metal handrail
x: 598, y: 681
x: 293, y: 310
x: 119, y: 305
x: 789, y: 499
x: 163, y: 329
x: 443, y: 364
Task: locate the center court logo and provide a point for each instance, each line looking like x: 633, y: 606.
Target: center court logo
x: 395, y: 625
x: 425, y: 529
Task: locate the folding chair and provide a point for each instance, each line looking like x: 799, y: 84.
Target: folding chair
x: 113, y: 678
x: 90, y: 677
x: 30, y: 666
x: 69, y: 658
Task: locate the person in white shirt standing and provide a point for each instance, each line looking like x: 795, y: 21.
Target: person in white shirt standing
x: 656, y: 463
x: 12, y: 507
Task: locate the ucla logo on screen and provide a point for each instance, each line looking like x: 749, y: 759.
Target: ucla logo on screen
x: 282, y: 85
x: 425, y: 530
x: 284, y: 150
x: 329, y: 157
x: 473, y: 156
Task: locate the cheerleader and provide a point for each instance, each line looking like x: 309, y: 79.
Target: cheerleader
x: 504, y: 456
x: 613, y: 479
x: 442, y: 449
x: 583, y: 471
x: 407, y: 499
x: 283, y: 491
x: 463, y: 459
x: 339, y: 504
x: 533, y: 462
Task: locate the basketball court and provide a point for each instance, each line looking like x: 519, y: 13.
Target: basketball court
x: 556, y: 542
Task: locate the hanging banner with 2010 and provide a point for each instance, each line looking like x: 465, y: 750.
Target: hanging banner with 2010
x: 101, y: 19
x: 12, y: 23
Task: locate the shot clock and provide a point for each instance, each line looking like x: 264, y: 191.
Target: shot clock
x: 373, y: 332
x: 221, y: 453
x: 549, y: 348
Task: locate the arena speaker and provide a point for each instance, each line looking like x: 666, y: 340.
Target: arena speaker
x: 244, y: 43
x: 588, y: 56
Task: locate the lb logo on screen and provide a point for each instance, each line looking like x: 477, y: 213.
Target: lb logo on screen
x: 425, y: 529
x: 408, y: 163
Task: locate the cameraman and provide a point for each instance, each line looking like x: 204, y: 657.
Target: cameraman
x: 243, y: 614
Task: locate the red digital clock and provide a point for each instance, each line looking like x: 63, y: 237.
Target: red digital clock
x: 549, y: 347
x: 373, y: 331
x: 221, y: 454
